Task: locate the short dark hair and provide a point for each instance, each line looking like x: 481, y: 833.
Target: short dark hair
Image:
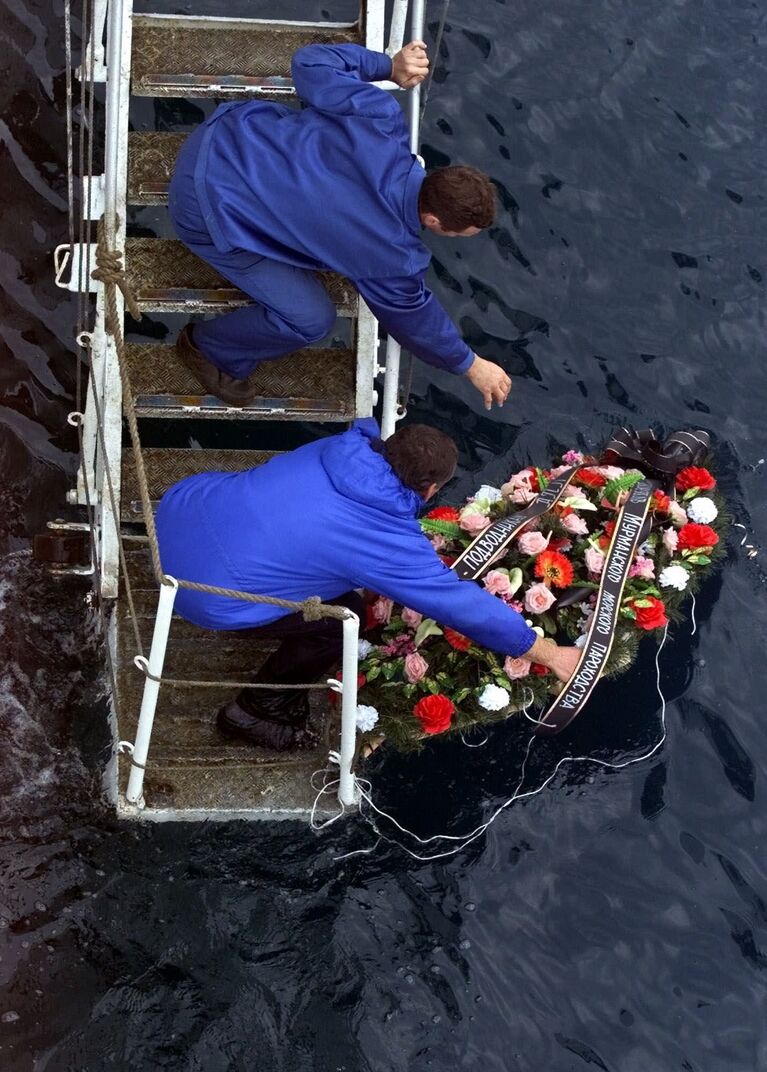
x: 459, y: 197
x: 421, y: 456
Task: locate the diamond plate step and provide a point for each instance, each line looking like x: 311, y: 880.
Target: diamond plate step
x: 151, y: 159
x: 313, y: 384
x: 165, y: 466
x: 199, y: 56
x: 167, y: 277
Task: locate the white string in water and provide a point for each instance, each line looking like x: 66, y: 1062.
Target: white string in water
x: 692, y: 615
x: 466, y: 839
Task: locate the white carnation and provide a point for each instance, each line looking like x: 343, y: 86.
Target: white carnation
x: 364, y: 648
x: 366, y: 717
x: 494, y: 698
x: 580, y: 642
x: 487, y: 495
x: 702, y: 510
x: 674, y: 577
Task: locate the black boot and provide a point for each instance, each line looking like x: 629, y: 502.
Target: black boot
x: 275, y: 720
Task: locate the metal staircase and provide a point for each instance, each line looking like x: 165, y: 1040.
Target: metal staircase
x: 191, y: 772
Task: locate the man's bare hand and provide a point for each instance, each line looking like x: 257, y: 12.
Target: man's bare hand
x: 490, y: 380
x: 560, y: 660
x: 410, y: 65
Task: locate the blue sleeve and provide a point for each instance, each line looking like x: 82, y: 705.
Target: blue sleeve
x: 336, y: 79
x: 410, y: 312
x: 412, y: 573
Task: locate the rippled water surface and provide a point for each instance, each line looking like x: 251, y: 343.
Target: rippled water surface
x: 618, y: 920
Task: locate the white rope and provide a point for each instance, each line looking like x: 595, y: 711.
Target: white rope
x: 467, y: 839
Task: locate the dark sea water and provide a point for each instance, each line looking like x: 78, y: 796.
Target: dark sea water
x: 616, y: 921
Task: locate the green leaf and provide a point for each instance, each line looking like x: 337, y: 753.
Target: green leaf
x: 548, y: 623
x: 460, y: 695
x: 430, y: 685
x: 542, y: 480
x: 515, y: 579
x: 577, y: 502
x: 373, y: 672
x: 699, y: 560
x: 613, y: 488
x: 427, y: 628
x: 642, y: 603
x: 690, y: 494
x: 451, y: 530
x: 389, y: 670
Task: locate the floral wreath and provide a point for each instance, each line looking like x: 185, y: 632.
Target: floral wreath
x: 418, y: 678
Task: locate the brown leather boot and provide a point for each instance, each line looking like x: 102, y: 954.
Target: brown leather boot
x: 209, y: 376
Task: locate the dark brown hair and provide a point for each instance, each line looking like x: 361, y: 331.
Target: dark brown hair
x: 421, y: 456
x: 459, y: 197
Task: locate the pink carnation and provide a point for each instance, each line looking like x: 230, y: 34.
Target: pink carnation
x: 473, y: 522
x: 532, y: 543
x: 411, y: 617
x: 381, y: 610
x: 595, y: 560
x: 497, y: 583
x: 515, y: 604
x: 572, y: 457
x: 538, y: 598
x: 677, y: 513
x: 609, y: 472
x: 558, y: 470
x: 415, y: 667
x: 642, y: 567
x: 575, y: 525
x: 516, y: 668
x: 670, y: 539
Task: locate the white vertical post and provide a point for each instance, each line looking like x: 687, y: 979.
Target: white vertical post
x: 134, y: 793
x: 347, y: 791
x: 92, y: 65
x: 374, y: 12
x: 391, y: 388
x: 397, y: 28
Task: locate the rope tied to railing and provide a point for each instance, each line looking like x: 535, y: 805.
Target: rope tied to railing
x: 110, y: 271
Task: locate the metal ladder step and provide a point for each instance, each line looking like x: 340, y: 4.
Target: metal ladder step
x: 315, y: 384
x: 165, y: 466
x: 151, y: 159
x: 166, y: 277
x: 200, y: 56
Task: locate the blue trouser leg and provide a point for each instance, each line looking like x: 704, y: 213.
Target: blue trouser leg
x: 291, y: 310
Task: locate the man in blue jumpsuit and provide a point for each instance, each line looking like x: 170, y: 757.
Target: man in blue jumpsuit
x: 268, y: 194
x: 336, y: 515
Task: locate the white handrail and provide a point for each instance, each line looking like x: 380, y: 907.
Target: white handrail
x: 347, y: 786
x: 397, y: 28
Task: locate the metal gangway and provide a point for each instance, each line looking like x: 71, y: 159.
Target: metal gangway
x: 117, y: 263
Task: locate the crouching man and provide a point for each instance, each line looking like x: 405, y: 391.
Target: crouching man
x: 336, y: 515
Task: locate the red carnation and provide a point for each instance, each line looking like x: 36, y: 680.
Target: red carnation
x: 650, y: 616
x: 604, y: 540
x: 443, y: 513
x: 447, y: 559
x: 694, y: 477
x: 457, y: 640
x: 590, y: 478
x: 539, y: 669
x: 554, y: 569
x: 660, y: 502
x: 692, y: 537
x: 434, y: 713
x: 335, y: 697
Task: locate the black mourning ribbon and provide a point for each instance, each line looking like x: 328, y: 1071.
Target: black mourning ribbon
x: 659, y: 460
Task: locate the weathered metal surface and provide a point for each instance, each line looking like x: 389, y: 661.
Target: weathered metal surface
x: 151, y: 159
x: 165, y: 466
x: 166, y: 277
x: 317, y: 383
x: 218, y: 57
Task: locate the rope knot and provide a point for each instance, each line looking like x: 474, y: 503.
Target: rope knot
x: 109, y: 271
x: 311, y: 609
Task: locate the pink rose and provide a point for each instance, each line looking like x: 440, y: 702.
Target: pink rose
x: 523, y: 496
x: 472, y: 521
x: 497, y: 583
x: 572, y: 457
x: 532, y: 543
x: 677, y: 513
x: 538, y: 598
x: 515, y: 604
x: 411, y: 617
x: 670, y: 539
x: 415, y: 667
x: 595, y: 560
x: 642, y: 567
x: 575, y: 525
x: 609, y: 472
x: 558, y: 470
x: 519, y: 487
x: 381, y: 610
x: 571, y: 492
x: 516, y: 668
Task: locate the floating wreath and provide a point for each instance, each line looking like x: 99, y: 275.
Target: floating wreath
x: 418, y: 678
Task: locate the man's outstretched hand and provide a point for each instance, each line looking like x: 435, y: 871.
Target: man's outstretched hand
x: 490, y: 380
x: 410, y: 65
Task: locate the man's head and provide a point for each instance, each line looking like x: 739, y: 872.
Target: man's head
x: 457, y: 201
x: 423, y: 458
